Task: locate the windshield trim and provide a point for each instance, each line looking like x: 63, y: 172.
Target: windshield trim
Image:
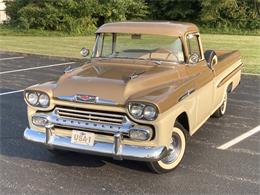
x: 142, y: 59
x: 114, y: 35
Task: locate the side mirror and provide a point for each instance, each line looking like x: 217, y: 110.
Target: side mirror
x: 194, y: 58
x: 211, y: 58
x: 84, y: 52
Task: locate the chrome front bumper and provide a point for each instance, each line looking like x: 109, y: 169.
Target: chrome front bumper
x: 116, y: 149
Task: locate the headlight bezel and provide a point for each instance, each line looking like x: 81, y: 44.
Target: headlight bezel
x: 141, y: 106
x: 38, y: 93
x: 150, y: 117
x: 144, y: 105
x: 44, y: 97
x: 29, y: 95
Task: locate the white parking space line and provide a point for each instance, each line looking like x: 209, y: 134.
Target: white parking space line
x: 11, y: 92
x: 11, y: 58
x: 239, y: 138
x: 38, y: 67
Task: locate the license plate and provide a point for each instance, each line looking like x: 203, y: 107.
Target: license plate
x: 83, y: 138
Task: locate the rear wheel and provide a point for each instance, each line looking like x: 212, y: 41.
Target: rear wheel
x: 175, y: 152
x: 222, y: 109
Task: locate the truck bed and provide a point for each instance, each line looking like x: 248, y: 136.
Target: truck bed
x: 226, y: 58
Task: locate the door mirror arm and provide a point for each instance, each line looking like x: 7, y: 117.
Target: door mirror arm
x: 211, y: 66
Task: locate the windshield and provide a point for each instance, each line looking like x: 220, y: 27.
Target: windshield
x: 139, y: 46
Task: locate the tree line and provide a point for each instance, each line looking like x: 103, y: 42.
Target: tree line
x: 84, y: 16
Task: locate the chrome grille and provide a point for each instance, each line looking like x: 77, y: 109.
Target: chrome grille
x: 90, y: 115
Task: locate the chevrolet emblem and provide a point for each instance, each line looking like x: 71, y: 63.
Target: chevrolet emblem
x: 85, y: 99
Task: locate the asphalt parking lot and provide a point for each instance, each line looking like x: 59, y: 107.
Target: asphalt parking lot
x: 26, y: 167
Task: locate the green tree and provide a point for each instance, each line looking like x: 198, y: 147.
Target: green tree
x: 72, y: 16
x: 121, y: 10
x: 216, y: 14
x: 183, y: 10
x: 237, y: 14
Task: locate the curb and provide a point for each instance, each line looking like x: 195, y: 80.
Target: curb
x: 250, y: 74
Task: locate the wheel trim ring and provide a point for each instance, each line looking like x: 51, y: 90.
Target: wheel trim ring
x: 177, y: 161
x: 175, y: 149
x: 223, y: 106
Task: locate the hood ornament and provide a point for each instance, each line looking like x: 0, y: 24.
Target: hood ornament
x: 67, y: 69
x: 135, y: 75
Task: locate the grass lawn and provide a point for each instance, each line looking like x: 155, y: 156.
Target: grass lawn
x: 249, y: 46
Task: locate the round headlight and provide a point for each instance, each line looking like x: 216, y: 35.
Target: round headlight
x: 136, y: 110
x: 150, y: 112
x: 44, y: 100
x: 32, y: 98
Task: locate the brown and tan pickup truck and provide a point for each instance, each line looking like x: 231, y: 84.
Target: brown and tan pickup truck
x: 148, y: 87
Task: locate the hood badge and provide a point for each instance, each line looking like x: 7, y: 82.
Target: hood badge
x: 87, y: 99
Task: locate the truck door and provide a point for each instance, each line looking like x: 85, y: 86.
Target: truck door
x: 202, y: 77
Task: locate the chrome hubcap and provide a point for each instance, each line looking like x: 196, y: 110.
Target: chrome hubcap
x: 174, y: 149
x: 223, y: 106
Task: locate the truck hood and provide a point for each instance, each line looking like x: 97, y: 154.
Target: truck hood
x: 113, y: 82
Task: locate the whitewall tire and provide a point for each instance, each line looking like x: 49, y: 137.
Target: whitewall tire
x: 176, y: 152
x: 222, y: 109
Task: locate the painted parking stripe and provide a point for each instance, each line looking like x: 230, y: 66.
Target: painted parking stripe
x: 38, y: 67
x: 11, y: 58
x: 11, y: 92
x: 239, y: 138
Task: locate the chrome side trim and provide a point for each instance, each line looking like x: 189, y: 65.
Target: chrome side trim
x: 230, y: 75
x: 117, y: 150
x: 189, y: 92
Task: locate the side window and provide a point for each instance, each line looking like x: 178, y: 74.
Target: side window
x: 193, y: 45
x: 99, y: 45
x: 104, y: 45
x: 107, y: 45
x: 176, y: 47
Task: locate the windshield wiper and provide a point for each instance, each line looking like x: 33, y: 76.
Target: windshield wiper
x: 156, y: 61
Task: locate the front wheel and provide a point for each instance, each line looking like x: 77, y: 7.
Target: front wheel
x: 175, y: 152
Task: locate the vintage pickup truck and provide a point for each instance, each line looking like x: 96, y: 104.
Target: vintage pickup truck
x: 147, y: 88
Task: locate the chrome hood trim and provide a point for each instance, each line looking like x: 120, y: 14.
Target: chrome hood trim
x: 99, y: 101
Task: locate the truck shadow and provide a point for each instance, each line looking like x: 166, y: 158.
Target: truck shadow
x: 17, y: 148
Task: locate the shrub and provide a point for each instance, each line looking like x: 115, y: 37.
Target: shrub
x: 228, y: 14
x: 216, y: 14
x: 72, y: 16
x: 184, y: 10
